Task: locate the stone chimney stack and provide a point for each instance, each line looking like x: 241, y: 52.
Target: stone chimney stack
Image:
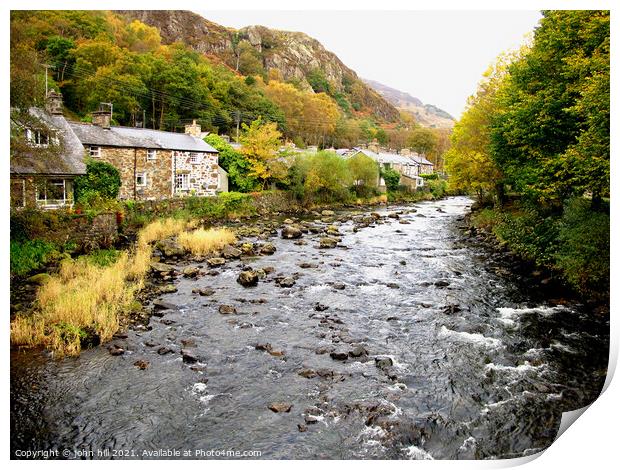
x: 374, y: 146
x: 405, y: 151
x: 193, y: 129
x: 102, y: 117
x: 53, y: 103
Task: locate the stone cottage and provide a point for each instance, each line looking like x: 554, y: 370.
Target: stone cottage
x: 153, y: 164
x: 46, y: 158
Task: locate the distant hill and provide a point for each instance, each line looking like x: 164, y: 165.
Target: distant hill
x: 426, y: 114
x: 297, y: 57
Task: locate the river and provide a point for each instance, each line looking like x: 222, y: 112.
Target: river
x: 412, y: 342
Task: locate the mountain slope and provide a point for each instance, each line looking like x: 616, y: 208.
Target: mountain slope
x: 295, y: 56
x: 426, y: 114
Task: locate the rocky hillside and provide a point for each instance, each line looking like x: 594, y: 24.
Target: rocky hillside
x: 295, y: 56
x: 426, y: 114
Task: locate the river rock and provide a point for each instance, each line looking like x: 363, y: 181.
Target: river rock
x: 442, y: 283
x: 204, y: 292
x: 327, y: 213
x: 327, y: 242
x: 191, y: 271
x: 170, y: 248
x: 189, y: 357
x: 263, y: 347
x: 230, y: 252
x: 227, y: 309
x: 286, y: 282
x: 116, y: 350
x: 164, y: 350
x: 319, y: 307
x: 280, y: 407
x: 290, y: 232
x: 159, y: 304
x: 267, y: 249
x: 141, y: 364
x: 247, y: 278
x: 404, y: 222
x: 39, y: 279
x: 383, y: 362
x: 307, y: 373
x: 247, y: 249
x: 338, y: 286
x: 358, y: 351
x: 339, y: 355
x: 167, y: 289
x: 213, y: 262
x: 162, y: 268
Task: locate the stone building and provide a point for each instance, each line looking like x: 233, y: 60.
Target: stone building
x: 153, y: 164
x: 46, y: 157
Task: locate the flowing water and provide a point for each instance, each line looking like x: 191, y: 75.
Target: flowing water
x: 463, y: 360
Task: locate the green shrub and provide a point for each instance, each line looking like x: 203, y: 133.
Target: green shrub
x: 235, y: 163
x: 320, y: 178
x: 437, y: 187
x: 101, y: 179
x: 583, y: 251
x: 30, y: 255
x: 365, y: 173
x: 103, y: 258
x: 391, y: 178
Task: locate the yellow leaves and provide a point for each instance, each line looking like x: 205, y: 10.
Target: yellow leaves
x: 260, y: 143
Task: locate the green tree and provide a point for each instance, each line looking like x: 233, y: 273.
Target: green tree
x: 235, y: 163
x: 551, y: 136
x: 101, y: 179
x: 391, y: 178
x: 364, y: 172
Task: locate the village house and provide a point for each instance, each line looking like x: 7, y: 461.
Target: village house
x: 44, y: 168
x: 154, y: 164
x: 408, y: 168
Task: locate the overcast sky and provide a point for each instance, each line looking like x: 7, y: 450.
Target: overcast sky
x: 436, y: 56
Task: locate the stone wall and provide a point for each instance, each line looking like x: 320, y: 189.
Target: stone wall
x: 203, y: 175
x: 133, y: 161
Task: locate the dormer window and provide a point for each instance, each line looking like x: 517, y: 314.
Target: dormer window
x: 94, y: 151
x: 37, y: 137
x: 151, y: 155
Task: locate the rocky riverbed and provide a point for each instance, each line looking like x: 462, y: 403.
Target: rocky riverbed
x: 388, y: 334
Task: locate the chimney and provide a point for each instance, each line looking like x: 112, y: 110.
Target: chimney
x: 102, y: 117
x: 193, y: 129
x: 405, y: 151
x: 53, y: 103
x: 374, y: 146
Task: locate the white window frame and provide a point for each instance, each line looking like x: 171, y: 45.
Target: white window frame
x: 144, y: 177
x: 94, y: 151
x: 151, y: 155
x: 43, y: 201
x: 34, y: 137
x: 183, y: 179
x: 195, y: 157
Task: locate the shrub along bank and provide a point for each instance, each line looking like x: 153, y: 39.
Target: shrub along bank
x: 573, y: 241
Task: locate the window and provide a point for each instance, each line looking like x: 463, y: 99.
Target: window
x: 140, y: 179
x: 54, y: 193
x: 194, y: 157
x: 37, y: 137
x: 182, y: 181
x: 151, y: 155
x: 94, y: 151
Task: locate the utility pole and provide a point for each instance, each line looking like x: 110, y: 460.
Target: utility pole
x: 47, y: 66
x: 238, y: 118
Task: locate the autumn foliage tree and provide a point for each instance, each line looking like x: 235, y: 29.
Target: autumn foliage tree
x: 260, y: 142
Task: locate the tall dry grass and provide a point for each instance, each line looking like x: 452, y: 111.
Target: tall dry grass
x: 84, y: 298
x: 202, y: 242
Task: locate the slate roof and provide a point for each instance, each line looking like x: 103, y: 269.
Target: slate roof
x: 420, y: 159
x: 45, y: 162
x: 384, y: 157
x: 137, y: 137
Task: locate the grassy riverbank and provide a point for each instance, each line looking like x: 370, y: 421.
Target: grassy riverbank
x: 572, y: 242
x: 83, y: 303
